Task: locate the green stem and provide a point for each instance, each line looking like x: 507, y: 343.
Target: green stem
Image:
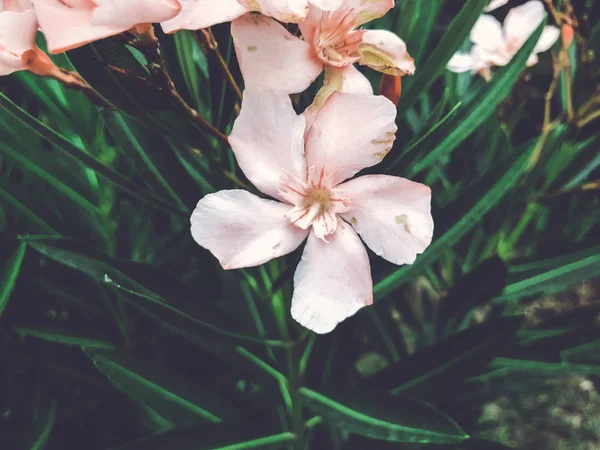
x: 295, y: 383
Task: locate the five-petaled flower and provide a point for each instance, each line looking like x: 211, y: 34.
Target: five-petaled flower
x: 69, y: 24
x: 308, y: 178
x: 271, y: 56
x: 495, y: 45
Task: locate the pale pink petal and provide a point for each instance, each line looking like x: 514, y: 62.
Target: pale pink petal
x: 15, y: 5
x: 391, y: 214
x: 271, y: 56
x: 487, y: 33
x: 198, y: 14
x: 243, y: 230
x: 17, y: 35
x: 549, y: 36
x: 66, y: 28
x: 350, y: 132
x: 332, y: 281
x: 385, y: 52
x: 327, y: 5
x: 368, y: 10
x: 348, y: 80
x: 129, y: 13
x: 495, y: 4
x: 522, y: 21
x: 268, y: 140
x: 532, y: 60
x: 461, y: 62
x: 282, y: 10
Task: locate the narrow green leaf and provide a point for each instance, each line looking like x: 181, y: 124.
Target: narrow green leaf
x: 435, y: 368
x: 551, y: 275
x: 447, y: 46
x: 87, y: 160
x: 172, y: 397
x: 387, y: 418
x: 45, y: 427
x: 31, y: 166
x: 222, y: 436
x: 63, y: 337
x: 495, y: 186
x: 28, y: 214
x: 472, y: 113
x: 10, y: 274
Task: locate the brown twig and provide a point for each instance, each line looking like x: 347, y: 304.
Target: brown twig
x: 207, y: 35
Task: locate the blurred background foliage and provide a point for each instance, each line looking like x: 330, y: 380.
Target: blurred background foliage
x: 118, y: 332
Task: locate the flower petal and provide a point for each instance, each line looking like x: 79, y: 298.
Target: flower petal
x: 128, y: 14
x: 350, y: 132
x: 332, y: 281
x: 348, y: 80
x: 385, y: 52
x: 197, y: 14
x: 66, y: 28
x: 495, y: 4
x: 271, y: 56
x: 243, y: 230
x: 327, y: 5
x: 368, y: 10
x: 268, y: 140
x: 461, y: 62
x: 17, y: 35
x: 487, y: 33
x: 282, y: 10
x: 549, y: 36
x: 15, y: 5
x: 522, y: 21
x: 391, y: 214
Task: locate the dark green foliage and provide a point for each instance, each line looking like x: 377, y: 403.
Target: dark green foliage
x: 118, y: 332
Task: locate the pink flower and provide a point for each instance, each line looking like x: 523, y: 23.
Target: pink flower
x: 197, y: 14
x: 15, y: 5
x: 69, y: 24
x: 495, y: 45
x: 271, y: 56
x: 495, y: 4
x: 307, y: 177
x: 18, y: 51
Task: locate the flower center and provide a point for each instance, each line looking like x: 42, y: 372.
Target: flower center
x: 315, y: 203
x: 336, y: 41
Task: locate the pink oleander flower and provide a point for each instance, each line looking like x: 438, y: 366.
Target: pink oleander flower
x: 18, y: 50
x: 69, y: 24
x: 495, y: 4
x: 306, y: 177
x: 197, y: 14
x: 496, y: 45
x: 271, y: 56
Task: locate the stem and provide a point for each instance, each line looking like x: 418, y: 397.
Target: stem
x: 209, y: 38
x: 295, y: 383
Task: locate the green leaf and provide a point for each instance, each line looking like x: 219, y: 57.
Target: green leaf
x: 471, y: 115
x: 447, y: 46
x: 36, y: 223
x: 387, y: 418
x: 10, y: 274
x: 473, y: 289
x: 435, y: 368
x: 551, y: 275
x: 43, y: 428
x: 64, y: 337
x: 172, y: 397
x: 494, y: 187
x: 87, y: 160
x: 223, y: 436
